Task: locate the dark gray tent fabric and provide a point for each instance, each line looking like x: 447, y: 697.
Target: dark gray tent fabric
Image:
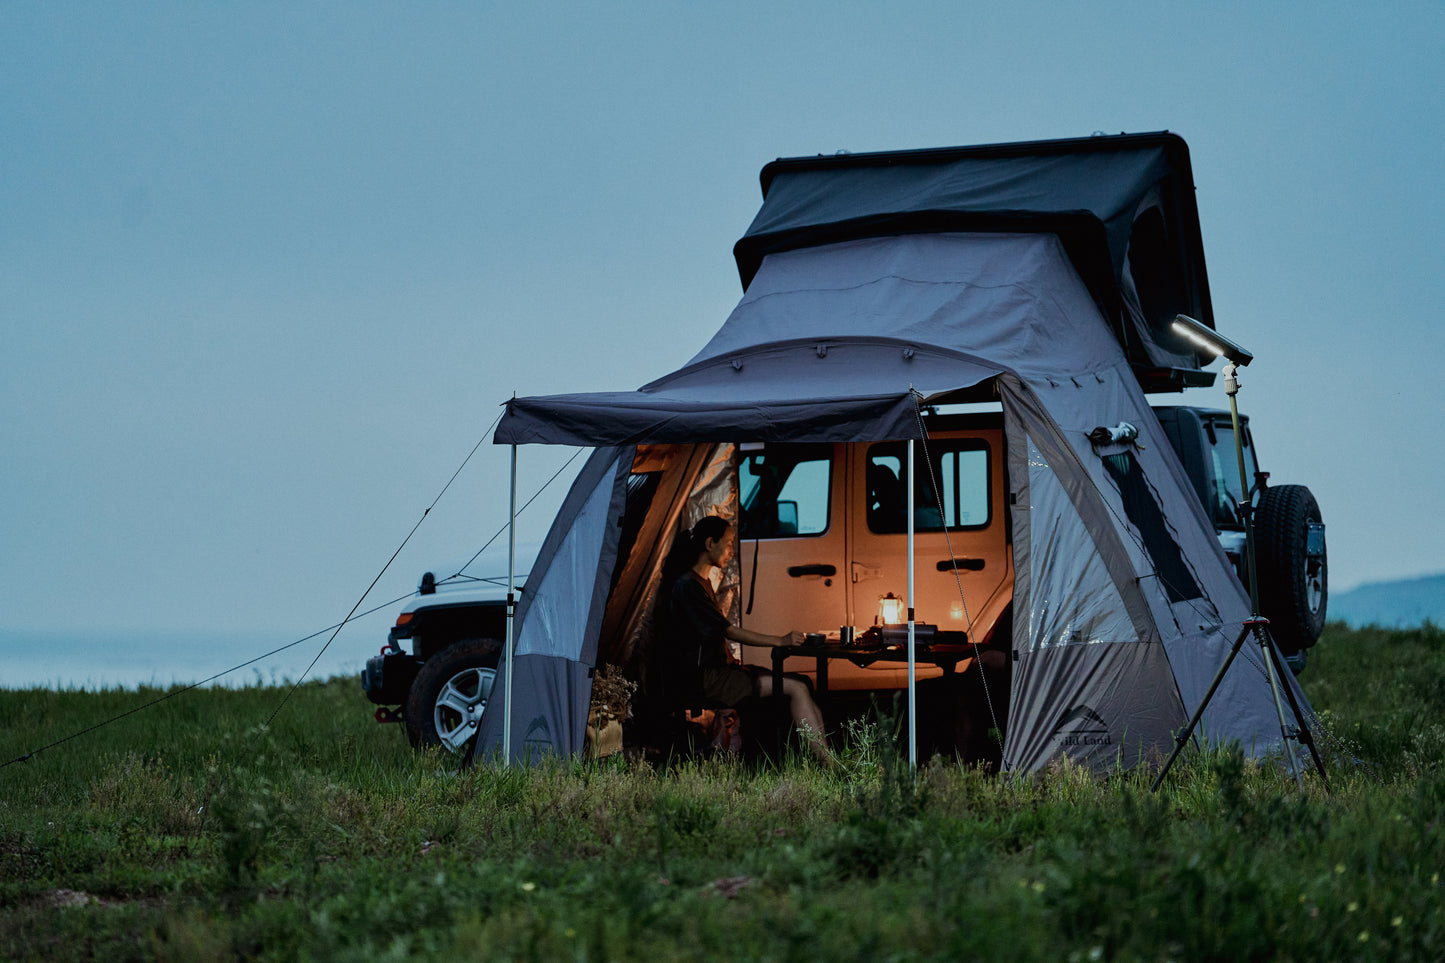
x: 1110, y: 654
x: 1098, y: 705
x: 1093, y: 589
x: 1000, y: 299
x: 840, y: 390
x: 800, y: 357
x: 552, y: 695
x: 559, y: 615
x: 1123, y: 205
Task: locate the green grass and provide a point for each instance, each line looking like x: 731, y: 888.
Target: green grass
x: 183, y: 832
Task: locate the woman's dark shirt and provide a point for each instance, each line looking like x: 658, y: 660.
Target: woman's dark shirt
x: 697, y: 629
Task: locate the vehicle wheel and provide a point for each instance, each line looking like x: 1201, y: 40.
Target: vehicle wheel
x: 1293, y: 581
x: 446, y: 702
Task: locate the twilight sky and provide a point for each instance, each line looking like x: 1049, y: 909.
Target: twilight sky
x: 267, y: 270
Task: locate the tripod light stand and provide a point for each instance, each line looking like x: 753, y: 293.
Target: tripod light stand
x: 1256, y: 625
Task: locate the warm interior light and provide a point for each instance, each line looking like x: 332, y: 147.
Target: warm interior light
x: 890, y: 610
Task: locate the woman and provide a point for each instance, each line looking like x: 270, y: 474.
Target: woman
x: 697, y: 634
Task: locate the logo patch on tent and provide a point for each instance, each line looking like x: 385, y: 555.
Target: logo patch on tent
x: 1082, y: 726
x: 539, y: 732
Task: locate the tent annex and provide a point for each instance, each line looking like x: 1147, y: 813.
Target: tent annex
x: 1124, y: 603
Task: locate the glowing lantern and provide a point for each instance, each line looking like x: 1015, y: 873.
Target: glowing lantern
x: 890, y: 610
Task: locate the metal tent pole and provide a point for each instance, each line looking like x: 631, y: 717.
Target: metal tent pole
x: 912, y: 662
x: 511, y: 616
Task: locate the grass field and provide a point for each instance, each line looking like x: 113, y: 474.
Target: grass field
x: 185, y: 832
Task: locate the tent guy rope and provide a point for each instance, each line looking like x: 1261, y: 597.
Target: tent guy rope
x: 333, y: 629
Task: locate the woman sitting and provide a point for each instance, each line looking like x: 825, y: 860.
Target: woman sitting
x: 694, y: 642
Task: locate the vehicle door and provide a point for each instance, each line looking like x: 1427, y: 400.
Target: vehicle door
x: 791, y: 547
x: 963, y: 571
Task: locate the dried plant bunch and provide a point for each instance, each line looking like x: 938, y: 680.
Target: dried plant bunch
x: 612, y: 694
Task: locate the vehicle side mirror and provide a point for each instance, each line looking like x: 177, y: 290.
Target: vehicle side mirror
x: 787, y: 518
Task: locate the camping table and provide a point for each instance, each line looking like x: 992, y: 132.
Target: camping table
x: 946, y: 655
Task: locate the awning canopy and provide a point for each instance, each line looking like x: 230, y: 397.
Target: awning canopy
x: 801, y: 358
x: 834, y: 390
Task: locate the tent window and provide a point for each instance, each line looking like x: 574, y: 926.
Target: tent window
x: 961, y: 469
x: 1148, y: 520
x: 785, y: 490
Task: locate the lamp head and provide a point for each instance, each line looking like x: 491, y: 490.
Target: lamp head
x: 1212, y: 341
x: 890, y: 610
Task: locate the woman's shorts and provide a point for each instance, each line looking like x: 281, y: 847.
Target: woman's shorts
x: 728, y: 685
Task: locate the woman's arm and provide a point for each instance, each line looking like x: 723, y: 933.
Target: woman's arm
x: 747, y: 637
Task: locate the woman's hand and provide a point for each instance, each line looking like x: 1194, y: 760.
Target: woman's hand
x: 794, y: 637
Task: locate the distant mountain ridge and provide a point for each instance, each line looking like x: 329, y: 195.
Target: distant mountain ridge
x: 1396, y: 604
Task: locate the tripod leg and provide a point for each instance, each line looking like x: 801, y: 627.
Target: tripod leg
x: 1261, y: 632
x: 1203, y: 703
x: 1303, y: 729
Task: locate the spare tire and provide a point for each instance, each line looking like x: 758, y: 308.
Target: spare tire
x: 1293, y: 571
x: 450, y: 694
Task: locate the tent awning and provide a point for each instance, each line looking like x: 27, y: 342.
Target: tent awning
x: 830, y: 344
x: 828, y: 389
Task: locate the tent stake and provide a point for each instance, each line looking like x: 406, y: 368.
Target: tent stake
x: 511, y: 615
x: 912, y: 662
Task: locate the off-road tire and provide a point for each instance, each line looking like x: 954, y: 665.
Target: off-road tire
x: 1293, y: 588
x: 446, y: 702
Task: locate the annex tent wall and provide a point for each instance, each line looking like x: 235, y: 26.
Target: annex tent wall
x: 558, y: 618
x: 1124, y: 603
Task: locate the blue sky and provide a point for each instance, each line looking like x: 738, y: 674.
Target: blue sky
x: 267, y: 270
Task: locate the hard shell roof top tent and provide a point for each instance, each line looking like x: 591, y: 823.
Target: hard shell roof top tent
x: 877, y: 283
x: 1122, y: 205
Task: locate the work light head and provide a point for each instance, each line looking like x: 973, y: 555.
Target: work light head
x: 1212, y: 341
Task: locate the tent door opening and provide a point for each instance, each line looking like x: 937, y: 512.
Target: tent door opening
x: 826, y: 528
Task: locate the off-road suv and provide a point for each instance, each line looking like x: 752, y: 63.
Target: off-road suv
x: 818, y: 574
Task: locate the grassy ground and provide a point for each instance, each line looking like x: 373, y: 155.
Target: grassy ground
x: 184, y: 832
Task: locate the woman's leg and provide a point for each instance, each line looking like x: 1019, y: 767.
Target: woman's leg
x: 805, y: 712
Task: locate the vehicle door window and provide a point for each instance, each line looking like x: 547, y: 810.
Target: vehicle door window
x: 961, y: 470
x: 784, y: 490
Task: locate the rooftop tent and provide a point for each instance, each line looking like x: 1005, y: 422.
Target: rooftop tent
x: 1125, y: 604
x: 1123, y: 205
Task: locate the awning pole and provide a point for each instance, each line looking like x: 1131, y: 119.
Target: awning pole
x: 912, y: 663
x: 511, y: 616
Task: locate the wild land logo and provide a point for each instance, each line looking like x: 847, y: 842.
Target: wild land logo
x: 539, y: 733
x: 1082, y: 726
